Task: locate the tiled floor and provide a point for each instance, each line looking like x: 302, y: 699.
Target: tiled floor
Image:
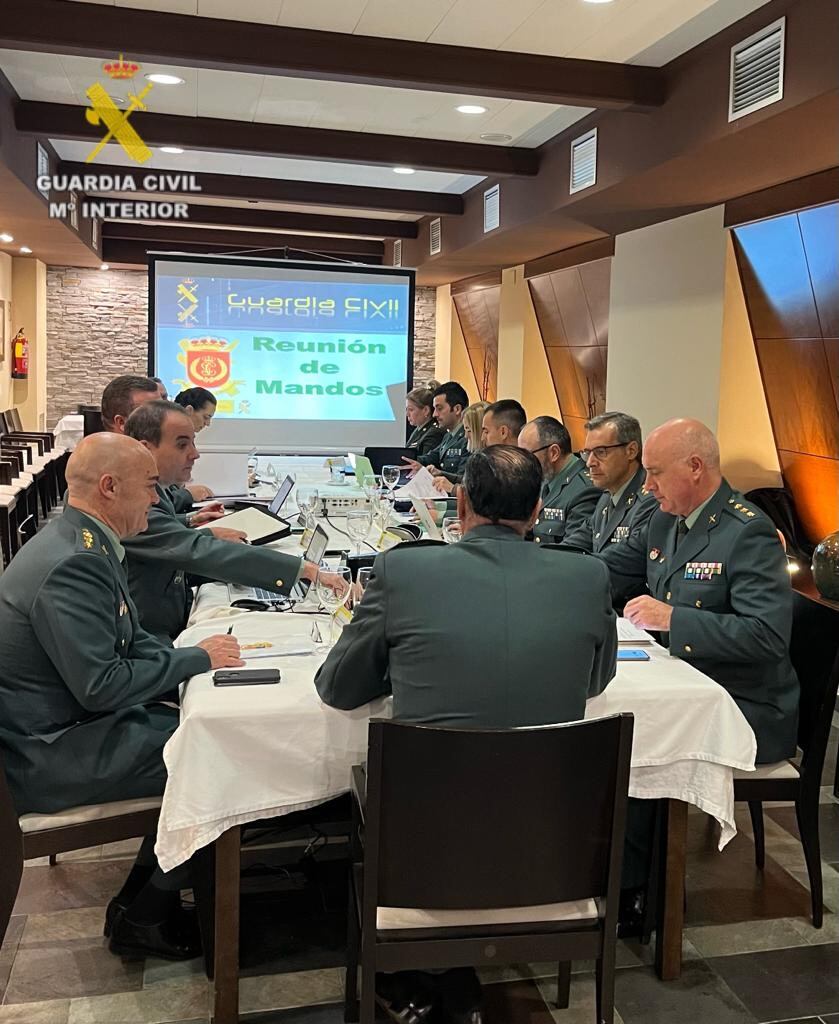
x: 751, y: 955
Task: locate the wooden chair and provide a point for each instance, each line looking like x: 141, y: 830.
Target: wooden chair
x: 814, y: 650
x: 487, y: 847
x: 44, y: 835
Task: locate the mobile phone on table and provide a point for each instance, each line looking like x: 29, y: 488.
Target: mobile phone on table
x: 245, y: 677
x: 632, y: 654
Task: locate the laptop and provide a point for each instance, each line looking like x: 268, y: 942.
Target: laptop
x: 315, y: 551
x: 225, y: 473
x: 363, y: 468
x: 235, y: 501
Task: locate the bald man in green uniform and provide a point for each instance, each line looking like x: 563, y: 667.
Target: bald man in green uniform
x: 719, y: 590
x: 81, y: 683
x: 568, y: 495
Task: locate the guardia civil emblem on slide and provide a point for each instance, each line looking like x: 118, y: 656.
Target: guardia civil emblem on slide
x: 104, y: 112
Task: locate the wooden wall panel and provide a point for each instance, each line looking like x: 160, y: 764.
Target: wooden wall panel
x: 789, y: 267
x: 572, y: 310
x: 478, y: 311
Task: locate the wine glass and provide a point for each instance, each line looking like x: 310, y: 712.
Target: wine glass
x: 371, y: 485
x: 307, y: 502
x: 333, y: 598
x: 390, y: 477
x: 452, y: 530
x: 359, y: 524
x: 382, y: 509
x: 364, y: 577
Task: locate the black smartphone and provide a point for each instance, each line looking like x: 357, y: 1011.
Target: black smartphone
x: 245, y: 677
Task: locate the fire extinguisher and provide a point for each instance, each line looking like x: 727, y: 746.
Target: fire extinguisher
x: 20, y: 362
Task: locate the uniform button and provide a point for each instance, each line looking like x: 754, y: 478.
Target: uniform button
x: 596, y: 536
x: 538, y: 540
x: 668, y: 595
x: 698, y: 604
x: 122, y: 642
x: 279, y: 583
x: 688, y: 649
x: 537, y: 522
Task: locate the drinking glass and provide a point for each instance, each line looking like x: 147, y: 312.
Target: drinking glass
x: 270, y: 475
x: 307, y: 502
x: 359, y: 524
x: 452, y: 531
x: 331, y: 598
x: 382, y: 508
x: 364, y: 577
x: 390, y: 477
x: 371, y: 485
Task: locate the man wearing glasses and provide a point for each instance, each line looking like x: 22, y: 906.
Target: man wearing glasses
x: 568, y: 495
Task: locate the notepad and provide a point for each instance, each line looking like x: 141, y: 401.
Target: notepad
x: 629, y: 634
x: 258, y: 524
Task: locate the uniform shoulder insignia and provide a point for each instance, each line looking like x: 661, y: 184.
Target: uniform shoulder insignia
x: 739, y: 510
x: 87, y: 539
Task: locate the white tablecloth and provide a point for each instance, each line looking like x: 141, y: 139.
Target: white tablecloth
x: 243, y: 753
x: 69, y: 431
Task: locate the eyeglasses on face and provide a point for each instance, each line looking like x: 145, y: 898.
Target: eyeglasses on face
x: 600, y: 451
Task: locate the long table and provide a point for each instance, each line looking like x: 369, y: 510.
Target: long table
x: 244, y: 754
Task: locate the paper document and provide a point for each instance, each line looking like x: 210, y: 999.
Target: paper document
x: 629, y: 634
x: 253, y: 522
x: 419, y: 486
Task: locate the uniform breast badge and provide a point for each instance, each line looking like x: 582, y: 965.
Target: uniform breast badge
x: 702, y: 570
x: 654, y: 554
x: 87, y: 539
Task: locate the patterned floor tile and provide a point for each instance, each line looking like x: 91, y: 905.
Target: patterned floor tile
x: 699, y: 996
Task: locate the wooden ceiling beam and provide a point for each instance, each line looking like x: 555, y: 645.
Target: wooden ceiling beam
x: 257, y: 138
x: 179, y: 231
x: 304, y: 193
x: 244, y: 217
x: 55, y: 26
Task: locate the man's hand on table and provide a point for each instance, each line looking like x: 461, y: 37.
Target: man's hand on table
x: 315, y: 574
x: 223, y: 650
x: 199, y: 492
x: 207, y: 515
x: 233, y: 536
x: 647, y: 613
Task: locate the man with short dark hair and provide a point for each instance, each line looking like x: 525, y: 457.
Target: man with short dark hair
x: 450, y: 402
x: 503, y: 422
x: 122, y: 396
x: 476, y: 656
x: 568, y: 495
x: 159, y: 559
x: 612, y: 454
x: 161, y: 388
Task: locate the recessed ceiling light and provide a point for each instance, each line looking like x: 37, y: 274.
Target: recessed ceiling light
x: 174, y: 150
x: 5, y: 237
x: 104, y: 266
x: 165, y: 79
x: 470, y: 108
x: 496, y: 137
x: 25, y: 249
x: 404, y: 170
x: 597, y: 1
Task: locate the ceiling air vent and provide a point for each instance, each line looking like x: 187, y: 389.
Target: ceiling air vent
x: 435, y: 237
x: 492, y: 208
x: 397, y: 253
x: 584, y: 161
x: 757, y: 71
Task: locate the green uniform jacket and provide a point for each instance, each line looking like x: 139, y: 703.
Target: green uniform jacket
x: 450, y: 455
x: 181, y: 499
x: 568, y: 501
x: 158, y: 560
x: 426, y: 438
x: 477, y: 654
x: 732, y: 598
x: 76, y: 669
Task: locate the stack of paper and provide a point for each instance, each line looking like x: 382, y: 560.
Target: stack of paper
x: 629, y: 634
x: 419, y: 486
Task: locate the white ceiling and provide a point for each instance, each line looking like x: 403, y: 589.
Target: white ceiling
x: 648, y: 31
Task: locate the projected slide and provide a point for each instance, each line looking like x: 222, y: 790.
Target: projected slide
x: 313, y: 355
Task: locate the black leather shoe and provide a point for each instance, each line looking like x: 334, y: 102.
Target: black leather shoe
x: 113, y: 908
x: 406, y: 1013
x: 163, y: 940
x: 631, y: 913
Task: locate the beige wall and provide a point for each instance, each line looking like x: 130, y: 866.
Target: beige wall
x: 6, y: 400
x: 29, y: 301
x: 665, y: 320
x: 747, y: 444
x: 451, y: 359
x: 511, y: 333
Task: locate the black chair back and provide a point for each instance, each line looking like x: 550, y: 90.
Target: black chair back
x: 14, y: 455
x: 4, y: 425
x: 778, y: 504
x: 466, y: 819
x: 13, y: 419
x: 11, y: 853
x: 814, y: 652
x: 92, y: 421
x: 6, y: 472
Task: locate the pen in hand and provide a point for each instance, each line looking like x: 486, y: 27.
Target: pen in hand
x: 230, y: 631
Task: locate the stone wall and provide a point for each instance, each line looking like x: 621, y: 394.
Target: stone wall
x: 97, y: 328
